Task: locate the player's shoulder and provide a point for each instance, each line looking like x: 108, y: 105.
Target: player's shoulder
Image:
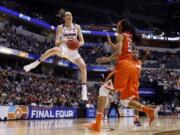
x: 77, y: 25
x: 127, y: 34
x: 119, y: 36
x: 60, y: 26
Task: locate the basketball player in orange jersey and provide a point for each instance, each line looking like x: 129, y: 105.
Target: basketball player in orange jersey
x: 139, y: 63
x: 64, y: 33
x: 126, y: 79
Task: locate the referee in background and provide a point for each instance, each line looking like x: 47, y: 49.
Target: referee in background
x: 114, y: 100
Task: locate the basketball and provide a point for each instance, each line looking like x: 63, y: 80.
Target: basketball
x: 73, y: 44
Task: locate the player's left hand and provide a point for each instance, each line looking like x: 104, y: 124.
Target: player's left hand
x: 102, y: 60
x: 109, y: 42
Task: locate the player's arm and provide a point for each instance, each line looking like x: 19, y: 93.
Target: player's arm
x: 145, y: 55
x: 118, y: 50
x: 58, y: 40
x: 110, y: 75
x: 110, y: 43
x: 80, y: 35
x: 116, y: 53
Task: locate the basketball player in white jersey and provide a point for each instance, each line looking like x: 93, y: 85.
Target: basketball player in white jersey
x: 64, y: 33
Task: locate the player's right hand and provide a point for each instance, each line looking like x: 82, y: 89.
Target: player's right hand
x: 66, y: 41
x: 109, y: 42
x: 102, y: 60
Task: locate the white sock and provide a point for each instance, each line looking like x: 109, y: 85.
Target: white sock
x: 84, y: 87
x: 84, y: 92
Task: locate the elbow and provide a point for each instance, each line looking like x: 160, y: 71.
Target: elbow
x: 81, y: 43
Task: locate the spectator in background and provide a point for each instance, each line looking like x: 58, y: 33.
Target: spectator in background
x: 89, y: 105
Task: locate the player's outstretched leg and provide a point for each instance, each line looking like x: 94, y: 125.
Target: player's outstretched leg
x: 81, y: 64
x: 47, y: 54
x: 150, y: 112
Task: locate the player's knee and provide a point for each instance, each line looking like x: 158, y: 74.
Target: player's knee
x: 50, y: 51
x: 82, y: 66
x: 125, y: 102
x: 103, y: 91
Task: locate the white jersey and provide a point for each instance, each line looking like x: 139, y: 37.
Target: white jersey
x: 69, y: 33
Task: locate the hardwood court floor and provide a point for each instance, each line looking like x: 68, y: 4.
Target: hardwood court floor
x: 122, y: 126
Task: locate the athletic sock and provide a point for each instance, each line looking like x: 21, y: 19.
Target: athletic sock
x: 146, y: 109
x: 99, y: 118
x: 84, y: 87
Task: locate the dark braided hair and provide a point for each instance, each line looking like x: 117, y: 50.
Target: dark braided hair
x: 126, y: 26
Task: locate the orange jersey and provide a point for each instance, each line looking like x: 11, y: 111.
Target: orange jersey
x: 126, y: 47
x: 127, y: 71
x: 127, y: 78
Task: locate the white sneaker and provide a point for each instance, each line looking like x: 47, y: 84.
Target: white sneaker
x: 31, y: 66
x: 84, y: 95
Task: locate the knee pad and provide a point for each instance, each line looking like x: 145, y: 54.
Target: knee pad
x: 125, y: 102
x: 103, y: 91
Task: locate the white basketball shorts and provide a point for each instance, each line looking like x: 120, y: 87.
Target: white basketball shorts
x: 69, y: 54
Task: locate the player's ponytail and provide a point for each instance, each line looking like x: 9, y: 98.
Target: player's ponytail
x: 62, y: 13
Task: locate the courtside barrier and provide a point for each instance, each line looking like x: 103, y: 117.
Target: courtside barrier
x: 29, y: 113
